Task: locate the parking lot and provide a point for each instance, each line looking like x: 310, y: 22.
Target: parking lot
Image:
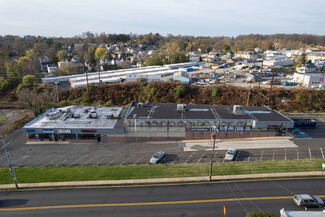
x: 180, y: 157
x: 310, y: 146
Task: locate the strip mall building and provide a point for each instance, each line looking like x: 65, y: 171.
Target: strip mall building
x: 156, y: 121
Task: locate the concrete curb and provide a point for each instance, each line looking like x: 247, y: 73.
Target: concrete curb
x: 162, y: 180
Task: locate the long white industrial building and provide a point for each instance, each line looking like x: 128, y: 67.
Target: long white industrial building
x: 116, y: 76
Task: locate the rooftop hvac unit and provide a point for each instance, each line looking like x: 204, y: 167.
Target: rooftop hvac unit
x: 93, y: 115
x: 76, y: 115
x: 237, y: 110
x: 181, y: 107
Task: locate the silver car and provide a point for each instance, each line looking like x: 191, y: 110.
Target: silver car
x: 156, y: 157
x: 230, y: 155
x: 307, y: 200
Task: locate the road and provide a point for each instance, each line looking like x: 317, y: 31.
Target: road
x: 171, y: 200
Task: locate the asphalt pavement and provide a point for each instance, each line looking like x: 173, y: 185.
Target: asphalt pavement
x: 170, y: 200
x: 178, y: 152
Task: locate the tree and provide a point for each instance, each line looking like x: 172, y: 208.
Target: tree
x: 39, y: 48
x: 24, y: 64
x: 155, y: 59
x: 28, y: 82
x: 226, y: 49
x: 99, y: 53
x: 36, y: 102
x: 62, y: 55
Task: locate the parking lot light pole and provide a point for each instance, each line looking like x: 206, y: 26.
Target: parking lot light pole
x: 213, y: 136
x: 10, y: 163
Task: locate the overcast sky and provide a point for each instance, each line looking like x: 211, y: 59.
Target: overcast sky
x: 185, y: 17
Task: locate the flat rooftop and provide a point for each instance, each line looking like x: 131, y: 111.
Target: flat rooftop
x: 77, y: 117
x: 208, y: 112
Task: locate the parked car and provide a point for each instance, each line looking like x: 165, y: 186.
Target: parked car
x: 212, y: 82
x: 230, y: 155
x: 307, y: 200
x: 157, y: 157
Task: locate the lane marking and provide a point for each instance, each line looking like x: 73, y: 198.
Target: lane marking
x: 177, y: 157
x: 188, y: 158
x: 309, y: 153
x: 200, y: 158
x: 148, y: 203
x: 321, y: 150
x: 262, y: 155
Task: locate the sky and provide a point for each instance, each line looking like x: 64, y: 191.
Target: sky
x: 68, y: 18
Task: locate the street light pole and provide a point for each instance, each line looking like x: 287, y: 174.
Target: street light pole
x: 10, y: 163
x: 213, y: 136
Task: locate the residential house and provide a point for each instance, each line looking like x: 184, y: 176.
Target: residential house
x: 248, y: 55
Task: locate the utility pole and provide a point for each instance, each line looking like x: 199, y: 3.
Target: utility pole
x: 213, y: 136
x: 57, y: 83
x: 4, y: 147
x: 259, y: 83
x: 86, y: 70
x: 98, y: 66
x: 249, y: 92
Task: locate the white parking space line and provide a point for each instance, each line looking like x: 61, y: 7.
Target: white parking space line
x: 177, y: 157
x: 20, y: 159
x: 114, y: 160
x: 237, y: 157
x: 273, y: 154
x: 249, y: 157
x: 138, y: 160
x: 200, y: 158
x: 285, y: 154
x: 101, y: 160
x: 125, y: 161
x: 88, y: 160
x: 321, y: 150
x: 79, y: 159
x: 309, y: 153
x: 297, y: 153
x: 188, y: 158
x: 262, y: 155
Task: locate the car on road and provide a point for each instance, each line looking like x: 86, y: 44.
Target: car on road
x: 230, y: 155
x: 157, y: 157
x: 307, y: 200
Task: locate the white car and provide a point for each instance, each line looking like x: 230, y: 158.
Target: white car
x: 230, y: 155
x: 212, y: 82
x: 156, y: 157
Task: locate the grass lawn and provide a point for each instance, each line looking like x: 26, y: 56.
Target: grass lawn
x: 87, y: 173
x: 3, y: 119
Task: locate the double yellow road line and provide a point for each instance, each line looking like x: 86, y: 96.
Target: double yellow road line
x: 147, y: 203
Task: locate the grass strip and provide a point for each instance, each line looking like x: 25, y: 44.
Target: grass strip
x: 88, y: 173
x: 3, y: 119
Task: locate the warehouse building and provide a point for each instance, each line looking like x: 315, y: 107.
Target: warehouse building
x: 76, y: 123
x: 158, y: 121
